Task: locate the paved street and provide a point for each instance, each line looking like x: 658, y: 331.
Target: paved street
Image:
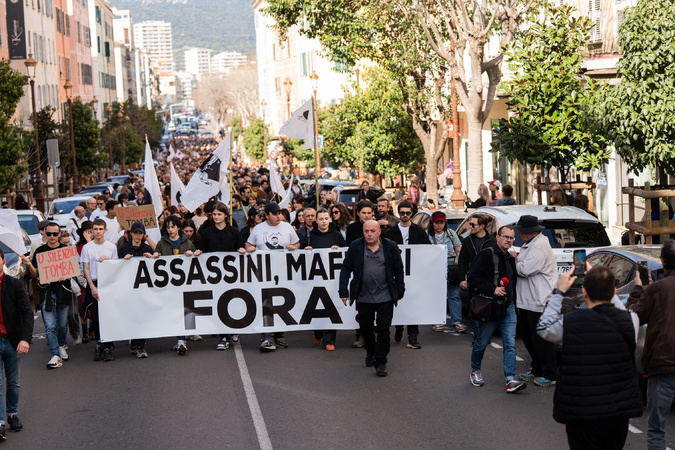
x: 307, y: 398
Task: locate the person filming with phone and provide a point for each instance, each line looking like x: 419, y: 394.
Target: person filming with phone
x: 655, y: 306
x: 597, y: 387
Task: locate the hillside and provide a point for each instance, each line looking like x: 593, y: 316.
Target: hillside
x: 223, y: 25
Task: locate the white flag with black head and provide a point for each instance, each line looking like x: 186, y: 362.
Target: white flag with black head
x: 180, y: 155
x: 152, y: 186
x: 172, y: 154
x: 205, y: 183
x: 10, y: 231
x: 177, y: 186
x: 301, y: 125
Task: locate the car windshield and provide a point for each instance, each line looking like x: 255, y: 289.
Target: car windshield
x: 64, y: 207
x: 29, y: 223
x: 571, y: 234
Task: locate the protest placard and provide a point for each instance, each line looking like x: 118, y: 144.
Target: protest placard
x: 57, y: 265
x: 268, y: 291
x: 128, y: 215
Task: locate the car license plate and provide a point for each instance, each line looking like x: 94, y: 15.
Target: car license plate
x: 564, y: 269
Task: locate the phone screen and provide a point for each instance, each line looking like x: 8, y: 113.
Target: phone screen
x: 579, y: 263
x: 643, y: 271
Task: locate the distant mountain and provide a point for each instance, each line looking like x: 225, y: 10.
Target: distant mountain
x: 222, y: 25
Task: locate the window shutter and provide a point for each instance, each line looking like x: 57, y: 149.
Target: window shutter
x: 594, y: 13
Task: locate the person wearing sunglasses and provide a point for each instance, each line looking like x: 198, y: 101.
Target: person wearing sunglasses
x: 100, y: 210
x: 408, y: 233
x: 54, y: 299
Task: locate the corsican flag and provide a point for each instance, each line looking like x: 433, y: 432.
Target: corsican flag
x: 10, y: 231
x: 180, y: 155
x: 286, y: 198
x: 205, y: 183
x: 152, y: 186
x: 301, y: 125
x: 275, y: 180
x: 177, y: 186
x: 172, y: 154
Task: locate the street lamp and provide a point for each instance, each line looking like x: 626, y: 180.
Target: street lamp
x: 288, y: 86
x: 31, y: 66
x: 264, y: 104
x: 68, y: 87
x: 94, y: 104
x: 315, y: 84
x: 108, y: 109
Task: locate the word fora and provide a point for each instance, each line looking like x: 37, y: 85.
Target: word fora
x: 269, y: 309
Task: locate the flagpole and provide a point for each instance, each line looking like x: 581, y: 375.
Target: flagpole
x: 315, y: 78
x: 231, y: 151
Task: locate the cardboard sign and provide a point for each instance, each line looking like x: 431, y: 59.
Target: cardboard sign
x: 128, y: 215
x: 58, y: 265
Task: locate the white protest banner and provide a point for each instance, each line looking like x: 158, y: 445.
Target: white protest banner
x: 128, y: 215
x: 264, y: 291
x: 57, y: 265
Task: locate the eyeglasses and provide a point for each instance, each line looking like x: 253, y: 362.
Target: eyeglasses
x: 472, y: 225
x: 405, y: 213
x: 49, y: 233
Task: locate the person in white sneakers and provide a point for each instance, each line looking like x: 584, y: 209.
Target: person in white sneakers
x: 93, y: 254
x: 274, y: 234
x: 54, y: 298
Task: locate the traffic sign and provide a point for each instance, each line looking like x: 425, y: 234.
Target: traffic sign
x: 273, y: 154
x: 320, y: 141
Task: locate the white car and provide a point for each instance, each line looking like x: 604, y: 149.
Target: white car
x: 60, y: 209
x: 566, y: 227
x: 29, y: 220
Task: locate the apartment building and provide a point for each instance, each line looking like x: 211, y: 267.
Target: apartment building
x: 198, y: 61
x: 155, y: 38
x: 82, y: 77
x: 223, y: 62
x: 102, y: 54
x: 125, y: 59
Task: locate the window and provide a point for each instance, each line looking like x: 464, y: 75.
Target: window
x: 67, y: 20
x: 107, y: 49
x: 98, y: 14
x: 595, y: 13
x: 59, y: 25
x: 98, y: 40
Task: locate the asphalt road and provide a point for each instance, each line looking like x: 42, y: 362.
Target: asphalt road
x: 295, y: 398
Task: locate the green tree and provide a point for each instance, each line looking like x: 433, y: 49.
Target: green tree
x: 553, y: 124
x: 129, y: 125
x: 638, y: 111
x: 12, y: 162
x: 254, y: 141
x: 371, y: 127
x: 87, y: 140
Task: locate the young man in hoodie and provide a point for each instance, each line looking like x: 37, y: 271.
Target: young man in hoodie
x: 324, y: 235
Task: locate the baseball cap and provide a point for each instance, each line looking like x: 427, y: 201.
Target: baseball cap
x: 496, y: 183
x: 272, y: 208
x: 137, y: 226
x: 43, y: 224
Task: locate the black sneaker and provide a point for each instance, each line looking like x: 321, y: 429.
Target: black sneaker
x: 281, y: 342
x: 14, y: 423
x: 398, y: 336
x: 412, y: 343
x: 369, y: 361
x: 381, y: 370
x: 3, y: 435
x: 98, y: 352
x: 107, y: 354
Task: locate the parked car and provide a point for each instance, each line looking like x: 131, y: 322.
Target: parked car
x: 121, y: 179
x: 346, y: 193
x: 566, y: 227
x: 453, y: 217
x: 60, y: 209
x: 97, y: 189
x: 29, y: 220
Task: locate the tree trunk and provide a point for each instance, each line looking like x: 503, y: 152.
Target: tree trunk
x: 474, y: 170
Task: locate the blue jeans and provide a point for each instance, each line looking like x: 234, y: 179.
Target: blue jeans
x: 507, y: 328
x: 12, y: 367
x: 454, y: 303
x: 58, y: 316
x: 660, y: 396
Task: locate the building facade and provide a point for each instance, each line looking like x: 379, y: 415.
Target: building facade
x: 103, y: 55
x: 82, y: 77
x: 155, y: 38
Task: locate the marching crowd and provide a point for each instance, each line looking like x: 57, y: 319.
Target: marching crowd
x: 586, y: 354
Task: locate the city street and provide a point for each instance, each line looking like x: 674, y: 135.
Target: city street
x: 301, y: 397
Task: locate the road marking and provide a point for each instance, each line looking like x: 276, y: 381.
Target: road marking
x: 495, y: 345
x: 633, y: 430
x: 256, y: 413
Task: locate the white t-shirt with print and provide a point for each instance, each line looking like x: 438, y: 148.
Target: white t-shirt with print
x: 405, y: 233
x: 266, y: 237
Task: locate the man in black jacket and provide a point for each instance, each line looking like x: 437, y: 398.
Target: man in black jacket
x: 597, y: 388
x: 16, y: 329
x: 407, y: 233
x: 493, y: 275
x: 478, y: 240
x: 376, y: 286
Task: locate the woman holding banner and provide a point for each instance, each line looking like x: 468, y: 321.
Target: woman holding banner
x: 325, y: 235
x: 221, y: 237
x: 175, y: 243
